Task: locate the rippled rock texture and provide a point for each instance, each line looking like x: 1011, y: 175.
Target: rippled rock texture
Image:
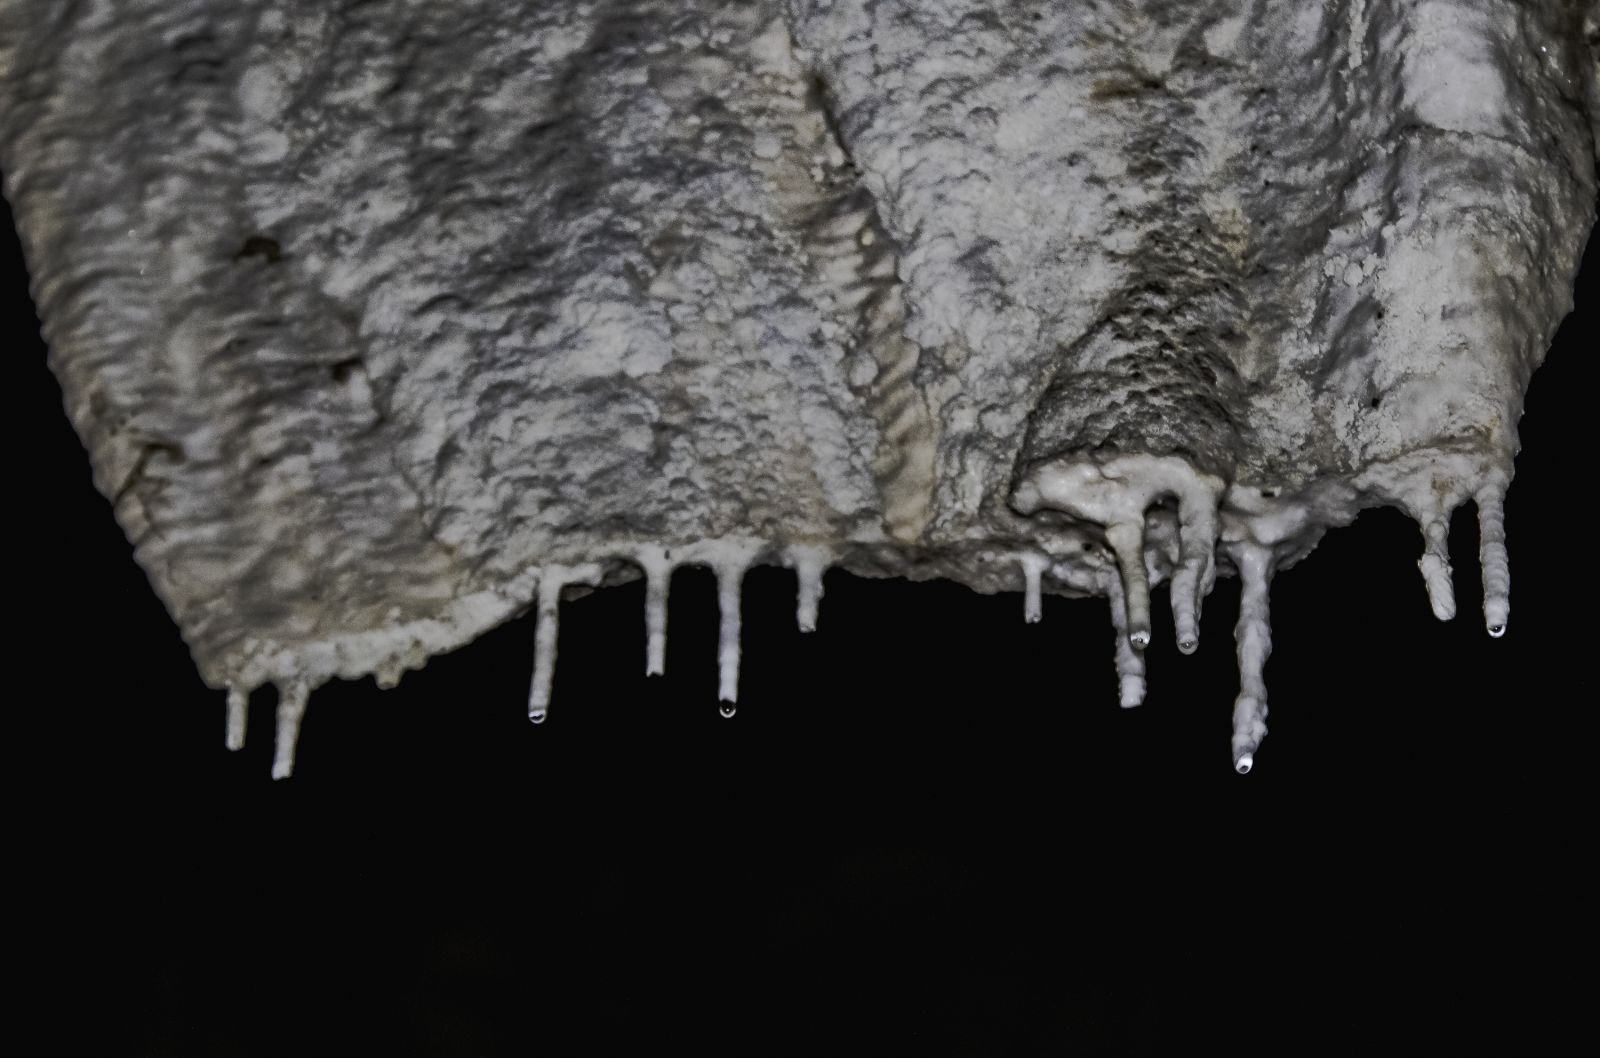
x: 384, y: 320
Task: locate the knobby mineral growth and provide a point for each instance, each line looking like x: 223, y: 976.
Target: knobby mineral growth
x: 386, y: 321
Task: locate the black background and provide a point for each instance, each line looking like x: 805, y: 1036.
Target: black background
x: 929, y: 830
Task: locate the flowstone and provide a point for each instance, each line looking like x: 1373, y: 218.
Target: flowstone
x: 386, y: 320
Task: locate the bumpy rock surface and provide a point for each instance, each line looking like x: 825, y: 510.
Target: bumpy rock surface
x: 384, y: 320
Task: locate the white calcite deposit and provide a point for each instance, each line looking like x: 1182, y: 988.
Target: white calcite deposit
x: 386, y: 321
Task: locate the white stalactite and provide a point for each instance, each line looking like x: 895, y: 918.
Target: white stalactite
x: 1253, y: 637
x: 547, y: 631
x: 657, y: 585
x: 1130, y: 662
x: 809, y: 565
x: 1032, y: 572
x: 1197, y: 534
x: 292, y: 701
x: 238, y: 717
x: 730, y: 581
x: 1127, y: 542
x: 1435, y: 564
x: 1494, y: 560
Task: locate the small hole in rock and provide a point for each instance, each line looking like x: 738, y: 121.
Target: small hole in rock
x: 260, y: 246
x: 342, y: 371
